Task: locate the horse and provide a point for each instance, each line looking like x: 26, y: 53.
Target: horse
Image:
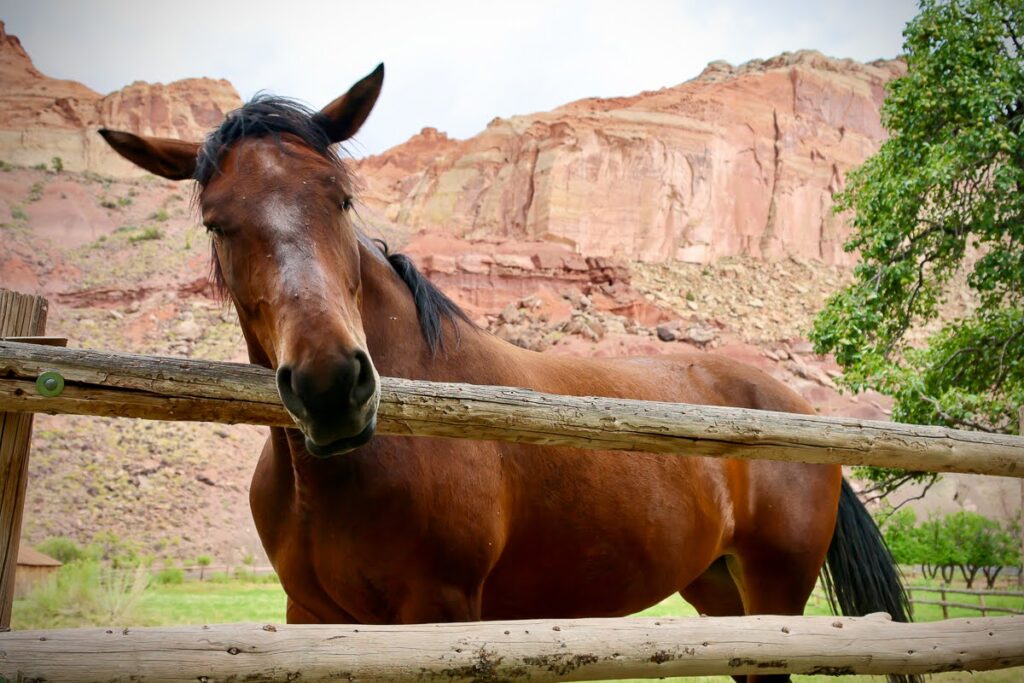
x: 368, y: 529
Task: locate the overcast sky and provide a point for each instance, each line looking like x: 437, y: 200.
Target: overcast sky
x: 449, y: 64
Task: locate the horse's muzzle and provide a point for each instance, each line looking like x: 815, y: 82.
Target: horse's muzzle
x: 334, y: 404
x: 344, y: 444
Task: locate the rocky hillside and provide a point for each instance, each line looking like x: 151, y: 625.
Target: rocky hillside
x: 42, y: 117
x: 124, y: 264
x: 741, y: 161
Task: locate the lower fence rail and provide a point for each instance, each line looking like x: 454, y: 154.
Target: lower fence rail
x: 548, y: 650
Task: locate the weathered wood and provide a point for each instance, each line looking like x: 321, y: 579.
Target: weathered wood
x: 20, y: 315
x: 127, y: 385
x: 585, y: 649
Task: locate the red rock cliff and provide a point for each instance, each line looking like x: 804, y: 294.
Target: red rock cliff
x: 43, y: 117
x: 740, y: 160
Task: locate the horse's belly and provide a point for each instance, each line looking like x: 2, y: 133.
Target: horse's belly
x: 607, y: 547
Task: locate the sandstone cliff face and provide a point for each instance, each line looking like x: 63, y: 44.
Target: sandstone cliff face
x: 43, y: 117
x: 739, y: 161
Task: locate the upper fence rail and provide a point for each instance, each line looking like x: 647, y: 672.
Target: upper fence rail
x: 127, y: 385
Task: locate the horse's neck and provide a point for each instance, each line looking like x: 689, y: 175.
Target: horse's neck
x: 393, y: 335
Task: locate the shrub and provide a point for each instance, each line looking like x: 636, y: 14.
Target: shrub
x: 40, y: 167
x: 62, y: 549
x: 170, y: 575
x: 58, y: 164
x: 35, y: 193
x: 84, y: 593
x: 150, y: 233
x: 18, y: 213
x: 159, y: 216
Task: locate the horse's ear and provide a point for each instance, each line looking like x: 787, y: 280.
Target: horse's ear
x: 173, y: 159
x: 342, y: 118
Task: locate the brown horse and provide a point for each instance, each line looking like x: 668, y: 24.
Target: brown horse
x: 404, y: 530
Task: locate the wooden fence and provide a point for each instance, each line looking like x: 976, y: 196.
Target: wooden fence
x: 127, y: 385
x: 487, y: 652
x: 52, y: 380
x: 980, y: 606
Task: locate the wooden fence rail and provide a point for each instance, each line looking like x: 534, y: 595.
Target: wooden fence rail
x: 966, y: 591
x: 984, y: 609
x: 571, y: 650
x: 124, y: 385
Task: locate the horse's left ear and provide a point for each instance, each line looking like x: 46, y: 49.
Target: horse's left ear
x: 343, y: 117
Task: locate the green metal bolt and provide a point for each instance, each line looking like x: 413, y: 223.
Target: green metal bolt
x: 50, y: 384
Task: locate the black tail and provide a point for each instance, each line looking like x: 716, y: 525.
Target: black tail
x: 860, y: 575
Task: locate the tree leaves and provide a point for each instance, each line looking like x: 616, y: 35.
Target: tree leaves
x: 945, y: 192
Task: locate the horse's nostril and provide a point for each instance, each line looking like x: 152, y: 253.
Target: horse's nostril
x: 288, y: 395
x: 365, y: 384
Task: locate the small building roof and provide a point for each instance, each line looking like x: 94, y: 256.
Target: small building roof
x: 30, y: 557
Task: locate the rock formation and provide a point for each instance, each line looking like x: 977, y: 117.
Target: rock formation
x: 739, y: 161
x: 42, y: 117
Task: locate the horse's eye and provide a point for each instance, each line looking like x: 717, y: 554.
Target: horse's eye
x: 214, y: 229
x: 346, y: 203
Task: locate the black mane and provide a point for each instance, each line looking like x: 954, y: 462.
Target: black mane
x: 270, y: 116
x: 433, y: 307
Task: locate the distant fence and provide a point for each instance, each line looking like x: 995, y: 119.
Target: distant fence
x: 980, y: 606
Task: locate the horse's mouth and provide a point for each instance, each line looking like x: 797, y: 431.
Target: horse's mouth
x: 345, y: 444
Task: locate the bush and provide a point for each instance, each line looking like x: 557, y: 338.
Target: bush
x: 62, y: 549
x: 219, y: 577
x: 58, y: 164
x: 170, y: 575
x: 84, y: 593
x: 35, y: 193
x: 159, y: 216
x: 150, y: 233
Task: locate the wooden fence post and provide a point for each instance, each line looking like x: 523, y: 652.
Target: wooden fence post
x: 945, y: 604
x: 21, y: 315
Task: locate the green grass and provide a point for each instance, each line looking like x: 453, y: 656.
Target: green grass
x: 202, y: 602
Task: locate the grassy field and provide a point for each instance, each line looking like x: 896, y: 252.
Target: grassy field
x: 196, y: 602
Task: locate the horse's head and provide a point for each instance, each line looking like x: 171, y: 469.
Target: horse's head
x: 276, y: 198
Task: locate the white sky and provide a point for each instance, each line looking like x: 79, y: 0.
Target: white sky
x: 450, y: 64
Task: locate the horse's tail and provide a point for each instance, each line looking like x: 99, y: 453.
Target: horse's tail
x: 860, y: 575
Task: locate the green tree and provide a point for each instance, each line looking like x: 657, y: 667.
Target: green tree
x: 203, y: 561
x: 944, y: 194
x: 903, y: 537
